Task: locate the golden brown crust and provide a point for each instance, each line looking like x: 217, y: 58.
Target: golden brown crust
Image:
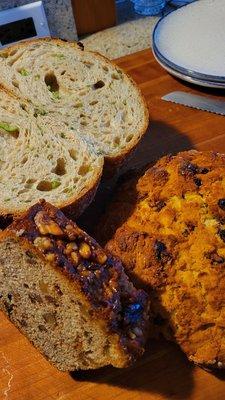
x: 99, y: 276
x: 169, y: 230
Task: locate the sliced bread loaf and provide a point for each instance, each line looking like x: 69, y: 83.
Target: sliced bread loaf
x: 123, y: 39
x: 91, y: 95
x: 41, y: 157
x: 67, y: 295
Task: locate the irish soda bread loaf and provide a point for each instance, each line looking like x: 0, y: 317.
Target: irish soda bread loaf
x: 67, y: 295
x: 42, y: 157
x: 169, y: 230
x: 88, y: 93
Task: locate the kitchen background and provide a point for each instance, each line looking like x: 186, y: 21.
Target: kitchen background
x: 120, y: 30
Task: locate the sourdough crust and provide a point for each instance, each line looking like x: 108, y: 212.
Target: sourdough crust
x: 109, y: 293
x: 110, y: 162
x: 116, y: 162
x: 168, y: 229
x: 73, y: 208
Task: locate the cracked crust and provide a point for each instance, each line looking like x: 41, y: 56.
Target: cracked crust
x: 168, y: 228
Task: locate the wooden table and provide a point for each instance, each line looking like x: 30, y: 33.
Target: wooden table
x: 163, y: 373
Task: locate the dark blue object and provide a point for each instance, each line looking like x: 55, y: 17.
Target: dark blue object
x: 133, y: 312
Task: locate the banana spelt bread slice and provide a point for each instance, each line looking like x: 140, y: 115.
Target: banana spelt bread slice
x: 42, y: 157
x: 168, y: 228
x: 67, y: 295
x: 93, y: 96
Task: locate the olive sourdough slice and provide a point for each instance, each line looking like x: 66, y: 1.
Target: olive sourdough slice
x: 168, y: 228
x: 93, y: 96
x: 70, y: 298
x: 41, y: 157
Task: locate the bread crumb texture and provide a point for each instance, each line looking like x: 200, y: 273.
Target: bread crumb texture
x: 168, y: 227
x: 93, y: 96
x: 70, y: 298
x: 63, y: 111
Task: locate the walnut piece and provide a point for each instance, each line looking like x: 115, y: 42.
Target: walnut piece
x: 46, y: 225
x: 85, y: 250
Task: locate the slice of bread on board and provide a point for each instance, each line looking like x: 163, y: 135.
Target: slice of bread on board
x: 41, y: 157
x: 90, y: 93
x: 75, y: 109
x: 70, y: 298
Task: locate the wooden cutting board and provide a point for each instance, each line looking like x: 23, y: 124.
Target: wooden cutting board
x: 163, y: 373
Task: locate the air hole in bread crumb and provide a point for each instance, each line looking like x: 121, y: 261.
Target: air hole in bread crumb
x: 29, y: 183
x: 115, y: 76
x: 116, y: 141
x: 22, y: 191
x: 84, y: 123
x: 60, y: 167
x: 23, y: 106
x: 105, y: 68
x: 73, y: 154
x: 44, y: 186
x: 31, y: 180
x: 93, y: 102
x: 15, y: 83
x: 24, y: 160
x: 129, y: 138
x: 98, y: 85
x: 88, y: 64
x: 63, y: 72
x: 83, y: 170
x: 78, y: 104
x: 51, y: 82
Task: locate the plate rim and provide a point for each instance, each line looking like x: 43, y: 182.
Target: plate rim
x: 187, y: 78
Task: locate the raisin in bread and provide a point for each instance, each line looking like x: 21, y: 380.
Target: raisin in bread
x: 41, y: 157
x: 67, y: 295
x: 94, y: 97
x: 168, y: 228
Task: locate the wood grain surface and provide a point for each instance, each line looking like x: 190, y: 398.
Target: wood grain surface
x: 163, y: 373
x: 92, y: 16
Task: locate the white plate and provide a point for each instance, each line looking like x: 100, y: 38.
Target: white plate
x: 182, y: 44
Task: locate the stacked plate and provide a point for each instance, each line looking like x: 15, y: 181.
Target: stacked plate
x: 190, y: 43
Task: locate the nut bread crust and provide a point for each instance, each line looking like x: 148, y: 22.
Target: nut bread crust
x: 119, y: 311
x: 168, y: 228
